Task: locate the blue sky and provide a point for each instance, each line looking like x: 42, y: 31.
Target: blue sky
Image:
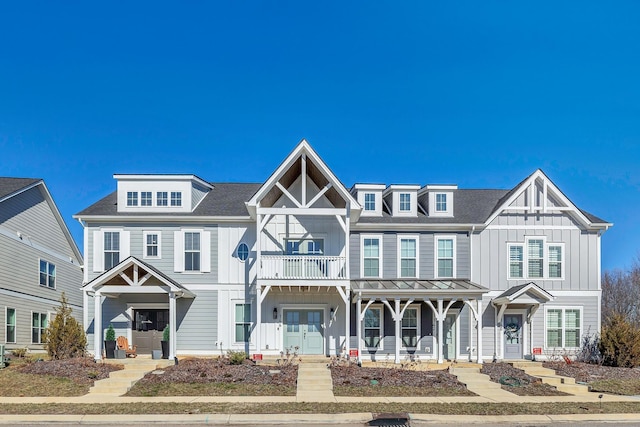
x: 479, y: 94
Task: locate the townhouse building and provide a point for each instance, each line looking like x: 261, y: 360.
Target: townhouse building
x: 299, y: 262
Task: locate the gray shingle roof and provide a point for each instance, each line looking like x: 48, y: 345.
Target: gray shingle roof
x: 11, y: 185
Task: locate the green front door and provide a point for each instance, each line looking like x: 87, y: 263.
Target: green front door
x: 303, y: 329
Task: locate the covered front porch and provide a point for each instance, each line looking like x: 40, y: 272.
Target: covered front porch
x: 407, y: 302
x: 136, y: 285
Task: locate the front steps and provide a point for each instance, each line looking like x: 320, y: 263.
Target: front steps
x: 314, y: 382
x: 119, y: 382
x: 548, y: 376
x: 480, y: 384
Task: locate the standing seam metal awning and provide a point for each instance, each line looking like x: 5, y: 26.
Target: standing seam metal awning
x: 451, y: 287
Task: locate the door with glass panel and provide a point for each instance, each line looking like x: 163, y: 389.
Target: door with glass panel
x: 449, y: 342
x: 147, y: 328
x: 513, y: 336
x: 303, y: 330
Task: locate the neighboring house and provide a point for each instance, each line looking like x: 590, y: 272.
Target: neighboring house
x: 39, y: 260
x: 379, y: 272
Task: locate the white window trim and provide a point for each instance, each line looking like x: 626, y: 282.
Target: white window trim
x: 380, y: 254
x: 418, y: 327
x: 235, y: 343
x: 55, y: 280
x: 379, y: 307
x: 375, y: 201
x: 435, y: 255
x: 433, y: 206
x: 31, y: 323
x: 140, y: 199
x: 545, y: 259
x: 170, y: 198
x: 205, y: 251
x: 155, y: 199
x: 137, y: 199
x: 15, y: 326
x: 144, y: 244
x: 415, y: 237
x: 563, y: 308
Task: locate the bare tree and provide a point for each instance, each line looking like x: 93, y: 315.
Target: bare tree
x: 621, y: 294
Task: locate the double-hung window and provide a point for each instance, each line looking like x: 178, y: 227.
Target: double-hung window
x: 371, y: 255
x: 563, y: 327
x: 38, y: 326
x: 132, y: 198
x: 535, y: 259
x: 242, y: 323
x: 47, y: 274
x: 152, y: 244
x: 10, y: 322
x: 369, y: 201
x: 408, y: 260
x: 192, y: 251
x: 410, y: 328
x: 145, y: 198
x: 162, y: 198
x: 373, y: 327
x: 441, y: 202
x: 405, y: 202
x: 111, y: 249
x: 445, y: 257
x: 176, y: 198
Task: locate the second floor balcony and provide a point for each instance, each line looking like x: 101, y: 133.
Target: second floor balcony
x: 303, y: 267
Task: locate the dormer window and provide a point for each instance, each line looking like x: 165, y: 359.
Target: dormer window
x: 441, y: 202
x: 176, y: 198
x: 370, y: 201
x: 405, y: 202
x: 161, y: 198
x: 145, y: 198
x: 132, y: 198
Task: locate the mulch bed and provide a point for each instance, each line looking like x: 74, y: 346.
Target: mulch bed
x: 516, y: 381
x: 80, y: 370
x: 587, y: 373
x: 352, y: 380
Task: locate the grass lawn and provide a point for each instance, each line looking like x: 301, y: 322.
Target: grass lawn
x: 325, y: 408
x: 209, y: 389
x: 616, y: 386
x: 399, y: 391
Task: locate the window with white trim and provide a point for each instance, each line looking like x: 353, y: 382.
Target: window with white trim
x: 563, y: 327
x: 152, y: 244
x: 445, y: 264
x: 176, y: 198
x: 132, y: 198
x: 191, y: 251
x: 145, y: 198
x: 409, y: 331
x: 371, y: 256
x: 10, y: 322
x: 47, y: 274
x: 408, y: 259
x: 405, y: 202
x: 242, y: 323
x: 373, y: 327
x: 370, y: 201
x: 162, y: 198
x: 111, y: 249
x: 38, y: 326
x: 441, y: 202
x: 535, y: 259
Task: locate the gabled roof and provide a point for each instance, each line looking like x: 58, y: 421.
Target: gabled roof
x: 511, y: 295
x: 116, y: 272
x: 288, y: 167
x: 11, y: 187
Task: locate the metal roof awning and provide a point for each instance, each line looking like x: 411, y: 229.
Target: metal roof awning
x: 419, y: 288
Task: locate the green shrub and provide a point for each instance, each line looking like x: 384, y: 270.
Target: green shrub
x: 64, y: 338
x: 166, y: 333
x: 111, y: 334
x: 237, y: 357
x: 620, y: 342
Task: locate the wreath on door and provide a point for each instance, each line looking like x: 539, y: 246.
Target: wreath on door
x: 512, y: 331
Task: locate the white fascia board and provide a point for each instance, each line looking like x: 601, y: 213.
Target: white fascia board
x: 138, y: 218
x: 438, y: 187
x: 162, y: 177
x: 400, y: 187
x: 378, y: 187
x: 413, y: 227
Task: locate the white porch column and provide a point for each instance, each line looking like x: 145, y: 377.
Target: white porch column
x: 479, y: 333
x: 440, y: 331
x: 258, y: 339
x: 97, y: 325
x: 172, y: 326
x: 398, y: 319
x: 359, y: 327
x: 347, y: 323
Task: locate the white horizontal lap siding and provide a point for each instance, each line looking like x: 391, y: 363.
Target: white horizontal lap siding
x: 179, y: 248
x: 426, y: 261
x: 198, y: 329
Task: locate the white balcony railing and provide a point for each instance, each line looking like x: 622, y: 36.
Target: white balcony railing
x: 303, y: 267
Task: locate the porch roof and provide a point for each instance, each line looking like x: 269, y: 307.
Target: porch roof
x: 528, y: 293
x: 434, y: 287
x: 135, y: 276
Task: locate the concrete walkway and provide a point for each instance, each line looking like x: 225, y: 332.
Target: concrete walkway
x: 314, y: 382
